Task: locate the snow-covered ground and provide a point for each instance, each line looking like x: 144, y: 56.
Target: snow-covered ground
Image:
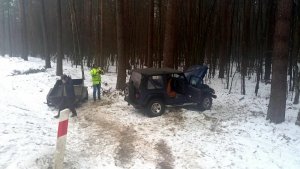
x: 110, y: 134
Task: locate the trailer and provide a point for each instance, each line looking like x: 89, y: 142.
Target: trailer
x: 54, y: 96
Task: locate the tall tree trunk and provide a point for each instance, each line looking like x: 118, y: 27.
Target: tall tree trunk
x: 188, y: 35
x: 160, y: 33
x: 270, y: 35
x: 296, y: 85
x: 121, y: 79
x: 45, y: 35
x: 2, y: 34
x: 24, y: 53
x: 276, y: 109
x: 59, y: 65
x: 259, y: 45
x: 298, y: 119
x: 150, y: 34
x: 224, y: 54
x: 75, y: 32
x: 102, y: 60
x: 88, y: 31
x: 170, y: 34
x: 9, y: 33
x: 245, y: 44
x: 295, y: 52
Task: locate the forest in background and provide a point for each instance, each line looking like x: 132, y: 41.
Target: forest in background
x: 256, y: 38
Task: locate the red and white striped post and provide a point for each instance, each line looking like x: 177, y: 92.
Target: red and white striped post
x: 61, y: 139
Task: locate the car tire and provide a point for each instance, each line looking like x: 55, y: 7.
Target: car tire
x: 206, y: 103
x: 155, y: 108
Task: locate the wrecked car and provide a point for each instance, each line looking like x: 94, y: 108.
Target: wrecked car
x: 153, y: 89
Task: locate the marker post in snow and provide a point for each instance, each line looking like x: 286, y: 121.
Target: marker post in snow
x: 61, y: 139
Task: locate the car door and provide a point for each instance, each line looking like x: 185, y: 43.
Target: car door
x: 194, y: 94
x: 178, y: 84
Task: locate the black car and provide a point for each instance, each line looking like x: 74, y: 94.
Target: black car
x: 152, y: 89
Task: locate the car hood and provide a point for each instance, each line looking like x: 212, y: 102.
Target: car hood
x: 196, y: 70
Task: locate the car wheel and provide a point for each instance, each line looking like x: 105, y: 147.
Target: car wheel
x: 206, y: 103
x: 155, y: 108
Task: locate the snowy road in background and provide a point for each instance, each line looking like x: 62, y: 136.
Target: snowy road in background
x: 111, y: 134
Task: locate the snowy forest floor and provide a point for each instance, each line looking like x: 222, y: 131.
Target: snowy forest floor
x: 110, y: 134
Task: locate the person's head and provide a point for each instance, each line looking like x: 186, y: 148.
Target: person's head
x: 64, y: 78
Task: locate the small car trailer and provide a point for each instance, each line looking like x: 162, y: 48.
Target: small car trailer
x: 54, y: 96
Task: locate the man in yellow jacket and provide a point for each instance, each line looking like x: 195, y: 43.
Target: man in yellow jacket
x: 96, y: 79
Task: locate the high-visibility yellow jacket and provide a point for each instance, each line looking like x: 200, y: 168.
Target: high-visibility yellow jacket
x: 96, y: 75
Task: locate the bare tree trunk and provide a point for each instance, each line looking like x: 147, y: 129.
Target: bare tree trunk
x: 88, y: 31
x: 170, y: 33
x: 270, y: 35
x: 161, y: 38
x: 259, y: 46
x: 150, y: 34
x: 2, y: 33
x: 9, y: 33
x: 245, y: 44
x: 276, y: 109
x: 224, y: 54
x: 188, y: 39
x: 24, y: 53
x: 121, y: 80
x: 76, y: 42
x: 45, y: 35
x: 102, y: 60
x: 298, y: 119
x: 59, y: 65
x: 296, y: 85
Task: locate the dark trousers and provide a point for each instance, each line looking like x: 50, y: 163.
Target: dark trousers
x: 96, y: 89
x: 67, y: 103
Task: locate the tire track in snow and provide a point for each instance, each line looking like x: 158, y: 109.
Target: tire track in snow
x: 126, y: 148
x: 123, y: 136
x: 167, y: 161
x: 128, y: 144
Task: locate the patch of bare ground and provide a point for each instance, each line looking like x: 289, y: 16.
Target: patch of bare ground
x: 126, y: 149
x: 167, y: 160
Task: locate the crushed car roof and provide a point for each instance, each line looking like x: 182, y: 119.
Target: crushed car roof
x: 157, y: 71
